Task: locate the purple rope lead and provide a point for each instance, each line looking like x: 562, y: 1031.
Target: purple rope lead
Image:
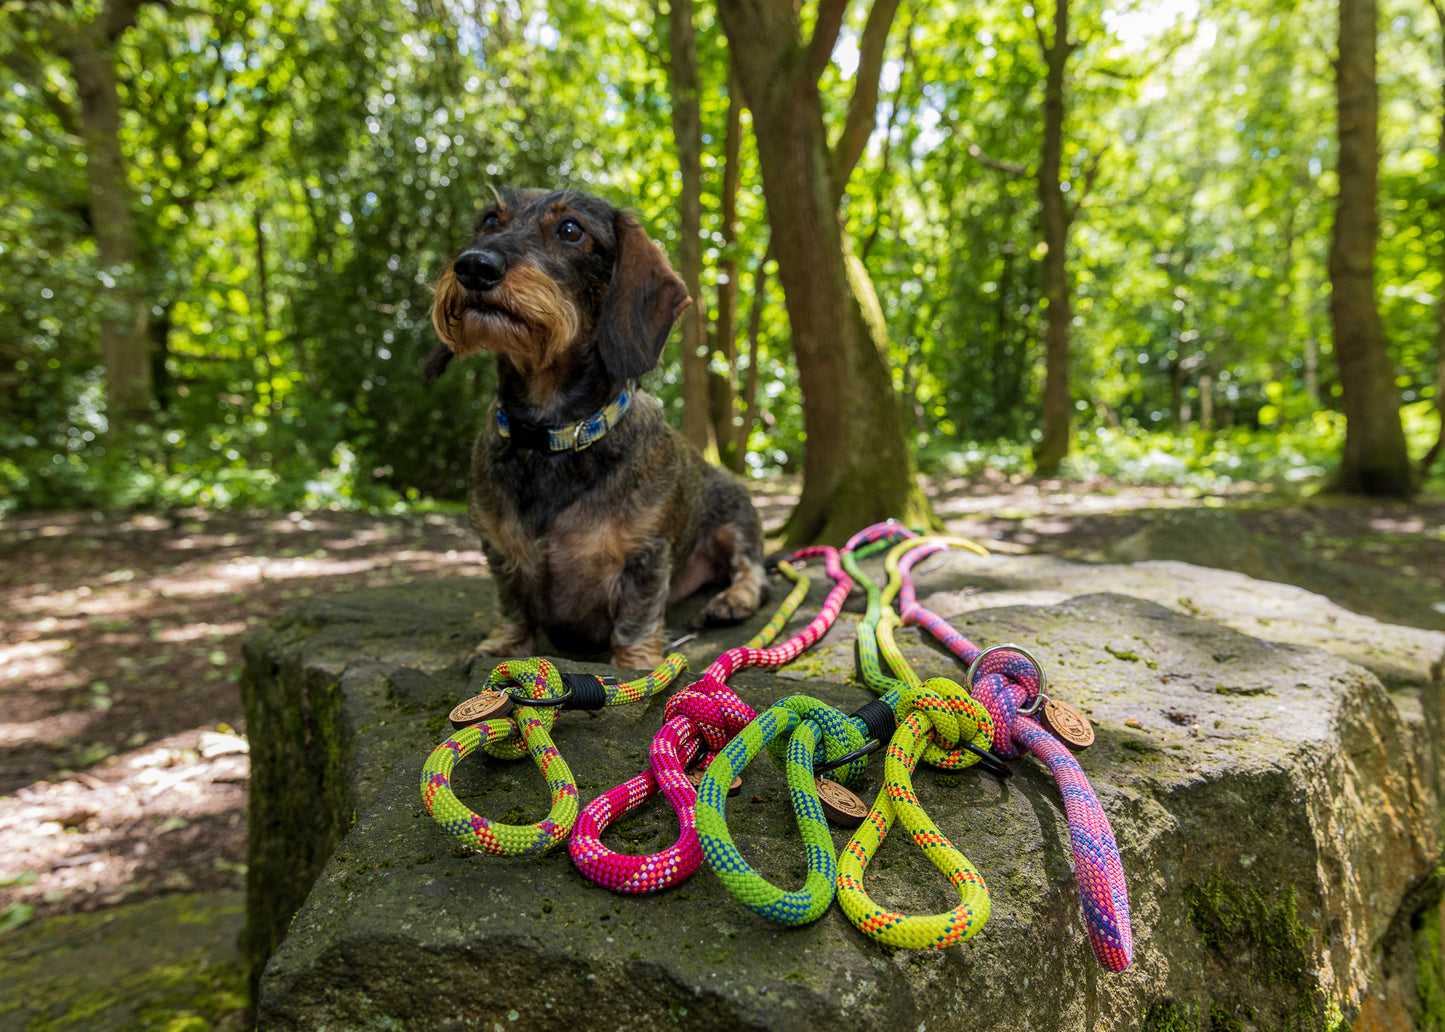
x: 1006, y: 681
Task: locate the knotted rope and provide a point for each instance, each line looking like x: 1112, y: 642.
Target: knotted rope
x: 939, y: 709
x: 791, y: 729
x: 705, y: 715
x: 527, y: 731
x: 1008, y: 682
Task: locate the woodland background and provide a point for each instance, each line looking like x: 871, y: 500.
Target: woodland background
x: 1079, y: 265
x: 1089, y: 238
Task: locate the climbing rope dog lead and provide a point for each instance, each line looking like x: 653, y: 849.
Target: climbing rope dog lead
x: 1010, y: 683
x: 940, y: 706
x: 698, y: 721
x: 791, y: 729
x: 537, y: 690
x: 796, y: 723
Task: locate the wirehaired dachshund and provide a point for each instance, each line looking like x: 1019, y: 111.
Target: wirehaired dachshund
x: 593, y: 513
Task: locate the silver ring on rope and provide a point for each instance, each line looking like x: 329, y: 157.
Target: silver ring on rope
x: 1043, y: 695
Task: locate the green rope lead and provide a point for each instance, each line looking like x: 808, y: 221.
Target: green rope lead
x: 527, y: 732
x: 794, y: 726
x: 804, y: 721
x: 939, y: 708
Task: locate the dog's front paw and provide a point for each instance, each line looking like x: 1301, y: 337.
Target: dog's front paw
x: 644, y: 655
x: 736, y: 603
x: 507, y: 639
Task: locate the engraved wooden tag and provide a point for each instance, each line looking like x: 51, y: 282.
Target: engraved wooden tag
x: 695, y: 776
x: 840, y: 806
x: 489, y: 705
x: 1067, y: 724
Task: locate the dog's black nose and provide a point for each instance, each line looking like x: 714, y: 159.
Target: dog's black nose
x: 479, y: 270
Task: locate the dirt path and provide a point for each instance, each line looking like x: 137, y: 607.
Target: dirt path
x: 123, y: 769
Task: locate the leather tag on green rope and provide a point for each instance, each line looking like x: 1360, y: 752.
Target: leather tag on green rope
x: 694, y: 778
x: 840, y: 806
x: 489, y: 705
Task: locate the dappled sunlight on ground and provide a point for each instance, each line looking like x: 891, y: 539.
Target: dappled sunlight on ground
x: 123, y: 770
x: 118, y: 674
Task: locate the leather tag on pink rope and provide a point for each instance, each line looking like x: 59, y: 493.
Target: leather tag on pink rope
x: 1068, y: 724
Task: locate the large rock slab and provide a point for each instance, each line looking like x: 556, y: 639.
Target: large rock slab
x: 1278, y: 815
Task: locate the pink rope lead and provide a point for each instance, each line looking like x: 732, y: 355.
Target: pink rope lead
x: 1007, y: 680
x: 708, y: 714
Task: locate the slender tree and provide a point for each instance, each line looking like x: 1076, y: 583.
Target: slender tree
x: 88, y: 49
x: 857, y: 466
x: 686, y: 84
x: 732, y: 436
x: 1375, y: 461
x: 1434, y: 452
x: 1055, y: 216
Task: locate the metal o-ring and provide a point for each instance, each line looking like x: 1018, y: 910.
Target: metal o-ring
x: 872, y: 745
x: 523, y: 700
x: 1043, y: 695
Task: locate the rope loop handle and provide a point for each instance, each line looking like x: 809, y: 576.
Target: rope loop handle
x: 799, y: 722
x: 526, y: 732
x: 706, y: 715
x: 932, y: 931
x: 937, y: 719
x: 1008, y: 680
x: 494, y: 837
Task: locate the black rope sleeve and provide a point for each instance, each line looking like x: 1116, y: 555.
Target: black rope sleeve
x: 588, y: 691
x: 878, y: 718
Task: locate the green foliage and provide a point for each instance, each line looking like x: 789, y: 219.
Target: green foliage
x: 1291, y: 457
x: 300, y: 173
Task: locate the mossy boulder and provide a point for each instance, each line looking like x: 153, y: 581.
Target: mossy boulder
x: 1278, y: 813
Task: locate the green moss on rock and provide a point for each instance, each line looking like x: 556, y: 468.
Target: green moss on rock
x: 1238, y: 921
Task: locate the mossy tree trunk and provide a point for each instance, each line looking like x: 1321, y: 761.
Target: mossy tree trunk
x: 857, y: 466
x: 1375, y: 460
x: 124, y: 324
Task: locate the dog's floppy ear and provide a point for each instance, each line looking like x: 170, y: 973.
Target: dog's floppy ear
x: 643, y: 300
x: 436, y: 363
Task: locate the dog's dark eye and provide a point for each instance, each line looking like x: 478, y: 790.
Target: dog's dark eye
x: 490, y: 222
x: 570, y: 231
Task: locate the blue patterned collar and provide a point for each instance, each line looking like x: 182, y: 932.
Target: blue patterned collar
x: 573, y: 437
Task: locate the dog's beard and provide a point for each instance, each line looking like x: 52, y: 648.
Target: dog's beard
x: 526, y: 317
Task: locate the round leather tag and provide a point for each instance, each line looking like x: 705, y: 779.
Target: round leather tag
x: 840, y: 806
x: 695, y: 776
x: 489, y: 705
x: 1068, y: 724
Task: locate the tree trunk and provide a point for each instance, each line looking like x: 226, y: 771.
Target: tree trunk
x: 1049, y: 453
x: 1434, y: 452
x: 755, y: 329
x: 1375, y: 460
x: 857, y: 467
x: 687, y: 129
x: 732, y: 439
x: 125, y: 339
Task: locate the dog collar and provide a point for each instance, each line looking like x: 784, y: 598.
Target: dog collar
x: 575, y: 436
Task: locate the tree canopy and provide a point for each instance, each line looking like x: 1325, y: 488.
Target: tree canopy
x: 219, y: 225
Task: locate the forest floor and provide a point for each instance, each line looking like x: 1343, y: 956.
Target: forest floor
x: 123, y: 766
